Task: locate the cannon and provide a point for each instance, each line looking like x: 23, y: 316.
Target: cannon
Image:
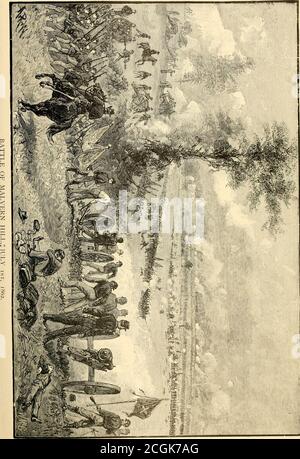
x: 91, y: 387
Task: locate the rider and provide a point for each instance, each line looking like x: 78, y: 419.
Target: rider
x: 68, y: 101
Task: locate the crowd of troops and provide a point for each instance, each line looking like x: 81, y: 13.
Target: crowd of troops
x: 91, y: 308
x: 80, y: 49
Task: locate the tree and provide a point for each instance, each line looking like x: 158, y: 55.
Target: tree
x: 265, y: 163
x: 217, y: 73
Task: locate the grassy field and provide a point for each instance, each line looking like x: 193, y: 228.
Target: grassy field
x: 39, y: 189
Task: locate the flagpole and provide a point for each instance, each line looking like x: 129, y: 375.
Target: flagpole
x: 125, y: 401
x: 113, y: 403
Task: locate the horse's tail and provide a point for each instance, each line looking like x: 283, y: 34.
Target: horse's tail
x: 56, y: 128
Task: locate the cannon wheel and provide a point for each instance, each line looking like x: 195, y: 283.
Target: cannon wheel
x: 91, y: 388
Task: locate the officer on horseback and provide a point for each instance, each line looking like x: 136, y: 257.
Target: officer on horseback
x: 68, y: 101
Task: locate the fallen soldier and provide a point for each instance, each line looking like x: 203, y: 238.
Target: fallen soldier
x: 27, y: 310
x: 46, y: 263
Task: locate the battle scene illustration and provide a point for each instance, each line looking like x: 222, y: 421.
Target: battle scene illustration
x: 154, y: 218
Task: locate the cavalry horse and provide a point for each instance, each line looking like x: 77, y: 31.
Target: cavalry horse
x: 147, y: 54
x: 68, y: 101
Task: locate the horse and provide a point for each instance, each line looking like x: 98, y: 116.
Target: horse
x: 146, y: 47
x: 68, y: 101
x: 146, y: 59
x: 147, y: 56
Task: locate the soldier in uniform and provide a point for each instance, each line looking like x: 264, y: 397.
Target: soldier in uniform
x: 110, y: 421
x: 125, y: 11
x: 35, y: 395
x: 142, y: 75
x: 86, y: 294
x: 93, y: 323
x: 111, y: 269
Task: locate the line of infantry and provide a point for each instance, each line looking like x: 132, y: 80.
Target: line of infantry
x: 92, y: 309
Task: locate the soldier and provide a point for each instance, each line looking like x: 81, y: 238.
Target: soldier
x: 142, y: 34
x: 144, y: 87
x: 125, y: 55
x: 108, y: 308
x: 100, y: 291
x: 104, y: 288
x: 35, y: 395
x: 94, y: 323
x: 46, y: 263
x: 68, y: 101
x: 170, y: 71
x: 110, y: 421
x: 110, y: 269
x: 97, y: 177
x: 109, y: 305
x: 125, y: 11
x: 106, y: 239
x: 142, y: 75
x: 144, y: 118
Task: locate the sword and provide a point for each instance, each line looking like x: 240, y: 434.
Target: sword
x: 49, y: 85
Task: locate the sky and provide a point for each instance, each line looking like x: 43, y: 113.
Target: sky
x: 265, y: 33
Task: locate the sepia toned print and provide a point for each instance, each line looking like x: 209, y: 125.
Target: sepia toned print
x: 155, y: 225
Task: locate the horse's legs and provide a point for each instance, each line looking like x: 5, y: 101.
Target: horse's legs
x: 55, y: 128
x: 38, y: 109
